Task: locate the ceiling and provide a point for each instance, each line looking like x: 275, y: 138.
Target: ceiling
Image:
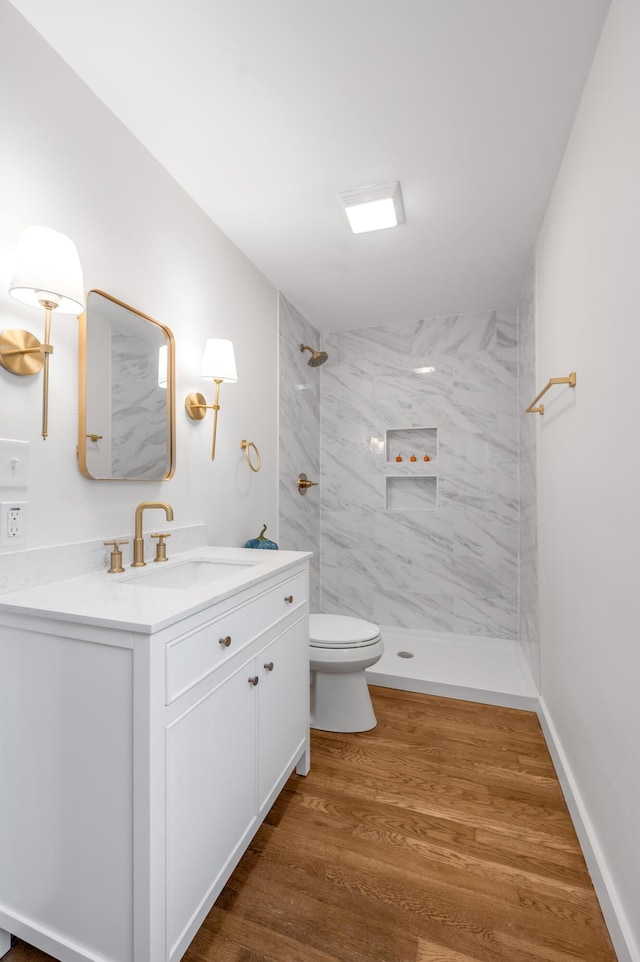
x: 263, y: 110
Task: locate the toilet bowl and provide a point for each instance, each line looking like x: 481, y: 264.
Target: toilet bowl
x: 340, y: 649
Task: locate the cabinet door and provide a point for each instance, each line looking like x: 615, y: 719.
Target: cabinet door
x: 211, y: 796
x: 283, y: 706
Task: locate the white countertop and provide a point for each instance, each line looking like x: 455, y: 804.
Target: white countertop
x: 116, y: 601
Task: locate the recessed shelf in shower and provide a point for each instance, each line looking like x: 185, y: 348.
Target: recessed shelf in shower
x: 412, y: 494
x: 408, y: 441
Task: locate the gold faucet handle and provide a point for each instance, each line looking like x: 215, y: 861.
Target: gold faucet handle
x: 116, y: 556
x: 161, y: 548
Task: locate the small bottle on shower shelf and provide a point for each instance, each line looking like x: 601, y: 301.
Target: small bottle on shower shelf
x: 426, y: 458
x: 398, y: 457
x: 413, y: 458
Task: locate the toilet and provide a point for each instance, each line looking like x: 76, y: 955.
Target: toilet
x: 340, y: 649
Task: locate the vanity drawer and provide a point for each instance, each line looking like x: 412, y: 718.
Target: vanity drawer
x: 195, y: 654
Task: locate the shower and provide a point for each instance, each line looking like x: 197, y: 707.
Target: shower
x: 317, y: 357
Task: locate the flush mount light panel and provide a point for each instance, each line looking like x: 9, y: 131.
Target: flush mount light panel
x: 375, y: 207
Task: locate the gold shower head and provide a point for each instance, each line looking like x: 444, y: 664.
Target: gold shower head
x: 317, y: 357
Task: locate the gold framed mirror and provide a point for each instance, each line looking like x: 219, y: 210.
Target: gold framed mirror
x: 126, y: 414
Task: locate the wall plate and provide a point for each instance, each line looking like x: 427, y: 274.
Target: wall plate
x: 13, y: 522
x: 14, y: 464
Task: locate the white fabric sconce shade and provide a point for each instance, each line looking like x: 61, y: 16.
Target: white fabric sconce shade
x: 218, y: 361
x: 48, y: 276
x: 48, y: 268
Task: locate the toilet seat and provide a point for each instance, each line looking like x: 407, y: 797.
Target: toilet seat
x: 341, y: 631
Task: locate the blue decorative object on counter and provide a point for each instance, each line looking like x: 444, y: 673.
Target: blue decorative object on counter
x: 261, y: 541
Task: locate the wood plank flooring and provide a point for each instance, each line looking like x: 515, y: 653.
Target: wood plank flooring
x: 440, y: 836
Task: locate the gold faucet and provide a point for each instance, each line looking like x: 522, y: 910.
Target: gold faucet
x: 138, y: 541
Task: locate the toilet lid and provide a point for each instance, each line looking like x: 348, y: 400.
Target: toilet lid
x: 341, y: 631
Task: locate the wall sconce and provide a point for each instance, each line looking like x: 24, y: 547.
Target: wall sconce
x: 219, y: 364
x: 47, y: 275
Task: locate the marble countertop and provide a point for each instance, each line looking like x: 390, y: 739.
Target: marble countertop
x: 118, y: 601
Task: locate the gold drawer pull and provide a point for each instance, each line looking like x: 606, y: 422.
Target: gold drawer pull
x: 254, y: 680
x: 269, y: 665
x: 225, y: 642
x: 289, y: 599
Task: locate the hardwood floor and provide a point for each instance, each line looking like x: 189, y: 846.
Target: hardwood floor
x: 440, y: 836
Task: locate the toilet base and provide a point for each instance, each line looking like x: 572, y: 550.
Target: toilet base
x: 341, y: 702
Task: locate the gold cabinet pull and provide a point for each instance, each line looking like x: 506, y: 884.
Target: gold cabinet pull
x: 289, y: 599
x: 226, y: 641
x: 269, y: 665
x: 253, y: 680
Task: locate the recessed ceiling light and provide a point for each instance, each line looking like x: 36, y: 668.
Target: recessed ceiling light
x: 375, y: 207
x: 423, y: 370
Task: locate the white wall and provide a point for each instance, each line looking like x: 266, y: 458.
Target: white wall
x: 588, y: 304
x: 68, y: 163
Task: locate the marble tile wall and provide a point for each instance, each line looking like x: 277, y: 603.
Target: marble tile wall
x: 299, y: 443
x: 139, y: 432
x: 452, y: 568
x: 528, y: 568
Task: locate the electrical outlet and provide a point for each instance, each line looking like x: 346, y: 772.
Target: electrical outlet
x: 13, y: 522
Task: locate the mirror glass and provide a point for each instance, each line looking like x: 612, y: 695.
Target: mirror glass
x: 127, y: 393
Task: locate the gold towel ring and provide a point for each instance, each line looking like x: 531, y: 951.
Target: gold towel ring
x: 245, y: 445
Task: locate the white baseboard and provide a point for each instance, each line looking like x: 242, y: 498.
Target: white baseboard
x: 614, y: 916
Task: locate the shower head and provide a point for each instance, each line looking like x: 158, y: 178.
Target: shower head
x: 317, y: 357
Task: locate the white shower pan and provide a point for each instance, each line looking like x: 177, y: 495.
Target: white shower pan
x: 471, y: 667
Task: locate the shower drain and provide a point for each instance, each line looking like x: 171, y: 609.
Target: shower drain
x: 405, y: 654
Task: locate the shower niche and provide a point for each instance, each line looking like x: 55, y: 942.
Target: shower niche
x: 408, y: 442
x: 412, y: 494
x: 412, y: 452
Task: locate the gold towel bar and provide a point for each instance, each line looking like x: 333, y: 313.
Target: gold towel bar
x: 571, y: 381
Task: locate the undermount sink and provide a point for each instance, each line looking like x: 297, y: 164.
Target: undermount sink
x: 188, y: 574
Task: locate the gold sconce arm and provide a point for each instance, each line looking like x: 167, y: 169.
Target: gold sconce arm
x: 22, y: 353
x: 47, y: 350
x: 570, y: 380
x: 196, y: 407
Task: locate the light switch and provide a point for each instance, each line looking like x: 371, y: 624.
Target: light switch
x: 14, y: 464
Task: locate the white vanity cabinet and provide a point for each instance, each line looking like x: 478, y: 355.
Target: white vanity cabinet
x: 137, y: 766
x: 227, y: 756
x: 280, y: 699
